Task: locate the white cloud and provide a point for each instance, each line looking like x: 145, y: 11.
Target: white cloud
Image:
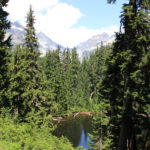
x: 55, y: 19
x: 73, y: 36
x: 58, y: 18
x: 18, y: 8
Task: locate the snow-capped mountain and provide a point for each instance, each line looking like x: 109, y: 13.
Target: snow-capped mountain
x: 87, y: 47
x: 45, y: 43
x: 17, y: 31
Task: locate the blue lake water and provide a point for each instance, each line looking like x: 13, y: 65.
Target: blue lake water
x: 84, y: 139
x: 76, y: 129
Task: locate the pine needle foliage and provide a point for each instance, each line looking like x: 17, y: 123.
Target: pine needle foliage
x: 5, y: 45
x: 126, y: 84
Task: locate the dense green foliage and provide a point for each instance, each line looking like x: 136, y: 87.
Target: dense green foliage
x: 25, y: 120
x: 27, y: 89
x: 25, y: 136
x: 113, y: 82
x: 125, y: 87
x: 4, y: 54
x: 64, y: 77
x: 30, y: 36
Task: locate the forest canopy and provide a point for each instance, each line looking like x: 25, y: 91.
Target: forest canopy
x: 112, y: 83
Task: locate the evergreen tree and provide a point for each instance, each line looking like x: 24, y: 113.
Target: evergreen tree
x: 27, y: 91
x: 27, y: 88
x: 4, y: 24
x: 83, y: 86
x: 98, y: 66
x: 126, y: 85
x: 4, y: 54
x: 75, y: 68
x: 66, y: 63
x: 75, y: 63
x: 31, y: 40
x: 54, y: 75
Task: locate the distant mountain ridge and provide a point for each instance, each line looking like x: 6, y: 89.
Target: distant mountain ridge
x: 87, y: 47
x: 45, y: 43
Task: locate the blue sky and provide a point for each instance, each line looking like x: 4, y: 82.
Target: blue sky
x: 69, y: 22
x: 98, y: 13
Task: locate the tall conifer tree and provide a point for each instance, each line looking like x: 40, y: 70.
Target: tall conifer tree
x: 31, y: 40
x: 4, y: 53
x: 27, y: 82
x: 83, y: 89
x: 54, y: 74
x: 126, y: 85
x: 75, y: 68
x: 66, y: 63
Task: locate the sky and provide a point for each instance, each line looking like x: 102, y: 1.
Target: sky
x: 69, y: 22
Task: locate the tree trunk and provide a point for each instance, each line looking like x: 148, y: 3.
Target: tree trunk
x: 123, y: 137
x: 100, y: 144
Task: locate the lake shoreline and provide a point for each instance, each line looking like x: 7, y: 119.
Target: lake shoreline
x: 60, y: 118
x: 76, y: 127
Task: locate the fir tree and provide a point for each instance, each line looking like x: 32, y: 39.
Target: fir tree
x: 4, y: 25
x: 97, y: 66
x: 83, y: 85
x: 27, y: 88
x: 75, y: 68
x: 4, y: 54
x: 66, y: 63
x: 27, y: 91
x: 126, y: 85
x: 54, y: 75
x: 31, y: 40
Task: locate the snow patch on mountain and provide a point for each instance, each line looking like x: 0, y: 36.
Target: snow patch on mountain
x: 45, y: 43
x: 17, y: 28
x: 87, y: 47
x: 17, y: 31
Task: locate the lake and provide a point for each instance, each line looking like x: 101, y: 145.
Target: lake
x: 76, y: 129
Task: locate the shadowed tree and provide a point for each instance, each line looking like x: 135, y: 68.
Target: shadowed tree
x: 127, y: 72
x: 4, y: 54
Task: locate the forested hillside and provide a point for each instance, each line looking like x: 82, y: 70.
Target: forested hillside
x: 112, y: 84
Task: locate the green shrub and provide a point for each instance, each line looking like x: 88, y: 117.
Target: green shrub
x: 29, y: 136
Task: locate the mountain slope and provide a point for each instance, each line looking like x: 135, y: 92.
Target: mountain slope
x: 45, y: 43
x: 87, y: 47
x: 17, y: 31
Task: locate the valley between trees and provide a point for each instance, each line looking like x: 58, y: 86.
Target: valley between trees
x: 113, y: 83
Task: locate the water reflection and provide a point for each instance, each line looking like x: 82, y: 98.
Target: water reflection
x: 84, y: 139
x: 76, y: 129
